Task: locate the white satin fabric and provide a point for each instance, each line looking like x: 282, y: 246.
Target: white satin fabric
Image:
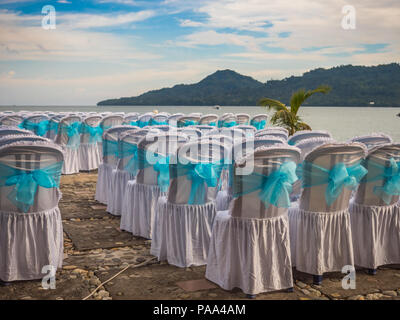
x: 182, y: 232
x: 119, y: 181
x: 103, y: 182
x: 257, y: 258
x: 71, y: 161
x: 89, y: 157
x: 29, y: 242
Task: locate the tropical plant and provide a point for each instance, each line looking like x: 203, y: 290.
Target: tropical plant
x: 288, y: 117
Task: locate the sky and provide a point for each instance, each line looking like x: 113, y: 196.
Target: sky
x: 104, y: 49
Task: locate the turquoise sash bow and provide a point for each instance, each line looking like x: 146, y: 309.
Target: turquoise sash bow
x: 133, y: 123
x: 110, y: 148
x: 73, y: 132
x: 53, y: 126
x: 274, y: 189
x: 142, y: 124
x: 258, y: 124
x: 158, y: 123
x: 201, y: 174
x: 127, y: 149
x: 26, y: 183
x: 337, y: 178
x: 94, y: 132
x: 162, y: 168
x: 39, y: 128
x: 187, y: 123
x: 212, y: 124
x: 229, y: 124
x: 389, y: 173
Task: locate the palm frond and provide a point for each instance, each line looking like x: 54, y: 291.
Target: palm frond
x: 272, y: 104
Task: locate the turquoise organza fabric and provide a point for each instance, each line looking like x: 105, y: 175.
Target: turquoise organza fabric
x: 95, y: 133
x: 110, y: 148
x: 339, y: 177
x: 127, y: 149
x: 258, y: 124
x: 187, y: 123
x: 390, y: 174
x: 73, y: 132
x: 142, y: 124
x: 53, y: 126
x: 158, y: 123
x: 212, y: 124
x: 39, y: 128
x: 274, y: 189
x: 201, y: 175
x: 229, y: 124
x: 26, y: 182
x: 133, y: 123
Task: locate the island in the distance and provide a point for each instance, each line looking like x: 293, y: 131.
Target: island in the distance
x: 351, y: 86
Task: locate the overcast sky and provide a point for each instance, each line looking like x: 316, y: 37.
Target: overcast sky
x: 112, y: 48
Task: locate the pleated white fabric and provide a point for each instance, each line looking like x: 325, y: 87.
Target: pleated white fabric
x: 71, y: 161
x: 89, y: 157
x: 376, y: 234
x: 119, y: 181
x: 223, y: 199
x: 103, y: 182
x: 322, y: 241
x: 28, y: 242
x: 257, y: 258
x: 182, y: 232
x: 140, y: 203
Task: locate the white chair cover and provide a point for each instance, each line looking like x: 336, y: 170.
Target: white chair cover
x: 307, y: 134
x: 275, y: 133
x: 182, y: 230
x: 10, y: 130
x: 71, y: 144
x: 173, y: 119
x: 375, y: 223
x: 373, y: 140
x: 142, y: 194
x: 11, y: 120
x: 250, y: 245
x: 30, y: 238
x: 120, y: 176
x: 209, y: 119
x: 109, y: 121
x: 243, y: 119
x: 321, y: 239
x: 89, y: 155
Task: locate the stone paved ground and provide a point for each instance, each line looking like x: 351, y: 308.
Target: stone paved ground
x: 96, y: 249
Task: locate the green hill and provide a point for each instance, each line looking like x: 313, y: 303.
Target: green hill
x: 351, y: 86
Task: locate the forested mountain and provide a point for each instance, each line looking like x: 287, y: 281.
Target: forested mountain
x: 351, y: 86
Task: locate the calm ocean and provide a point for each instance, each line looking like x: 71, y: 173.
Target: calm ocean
x: 342, y: 122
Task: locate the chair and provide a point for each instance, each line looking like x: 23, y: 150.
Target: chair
x: 259, y: 121
x: 306, y: 146
x: 306, y: 134
x: 8, y: 139
x: 227, y: 121
x: 249, y: 130
x: 131, y: 119
x: 91, y: 135
x: 320, y: 231
x: 250, y: 245
x: 144, y: 120
x: 54, y: 122
x: 237, y: 135
x: 191, y: 132
x: 154, y: 154
x: 374, y: 211
x: 31, y: 232
x: 274, y: 128
x: 183, y: 221
x: 159, y: 120
x: 185, y: 121
x: 109, y: 121
x: 12, y: 120
x: 173, y: 119
x: 110, y: 158
x: 242, y: 119
x: 373, y: 140
x: 209, y: 120
x: 10, y: 130
x: 206, y: 129
x: 69, y: 136
x: 126, y: 167
x: 274, y: 133
x: 38, y: 124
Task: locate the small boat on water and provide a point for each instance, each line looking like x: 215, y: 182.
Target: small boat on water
x: 217, y: 107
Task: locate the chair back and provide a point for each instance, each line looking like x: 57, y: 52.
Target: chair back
x: 191, y: 132
x: 243, y: 119
x: 54, y: 123
x: 4, y: 140
x: 159, y: 120
x: 195, y: 176
x: 307, y: 134
x: 248, y: 130
x: 330, y: 173
x: 38, y: 124
x: 110, y: 121
x: 381, y: 185
x: 373, y: 140
x: 144, y: 120
x: 241, y: 149
x: 11, y: 130
x: 265, y: 192
x: 259, y: 121
x: 131, y: 119
x: 69, y: 132
x: 91, y: 131
x: 234, y: 133
x: 185, y: 121
x: 154, y: 151
x: 227, y: 121
x: 209, y: 119
x: 173, y: 119
x: 30, y: 176
x: 11, y: 120
x: 274, y: 133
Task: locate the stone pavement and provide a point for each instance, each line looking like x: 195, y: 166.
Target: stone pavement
x: 96, y: 249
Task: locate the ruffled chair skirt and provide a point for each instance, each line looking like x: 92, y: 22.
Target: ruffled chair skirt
x: 140, y: 203
x: 182, y: 232
x: 29, y: 242
x: 119, y: 181
x: 103, y: 182
x: 89, y: 157
x: 71, y: 161
x: 321, y: 241
x: 376, y: 234
x: 250, y: 254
